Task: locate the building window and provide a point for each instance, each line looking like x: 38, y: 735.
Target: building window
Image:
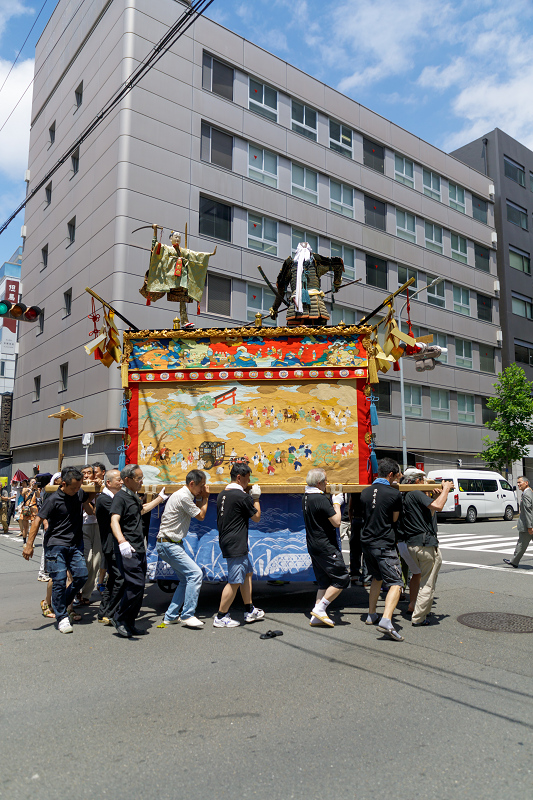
x: 340, y: 139
x: 441, y: 340
x: 340, y: 314
x: 514, y: 171
x: 463, y: 353
x: 406, y: 225
x: 479, y: 209
x: 484, y: 308
x: 341, y: 198
x: 263, y: 100
x: 348, y: 256
x: 375, y: 213
x: 2, y: 369
x: 44, y: 256
x: 436, y: 296
x: 52, y: 132
x: 517, y: 215
x: 404, y: 274
x: 263, y: 234
x: 263, y: 166
x: 376, y: 272
x: 304, y: 120
x: 522, y: 306
x: 216, y: 147
x: 40, y: 322
x: 461, y: 300
x: 459, y: 248
x: 481, y: 258
x: 440, y: 404
x: 523, y: 353
x: 48, y: 193
x: 67, y: 303
x: 486, y: 358
x: 519, y: 259
x: 457, y: 197
x: 466, y: 408
x: 487, y: 414
x: 382, y: 391
x: 373, y: 155
x: 404, y: 171
x: 36, y: 388
x: 71, y: 230
x: 217, y: 77
x: 304, y: 183
x: 431, y: 183
x: 215, y: 219
x: 63, y: 377
x: 298, y: 235
x: 261, y: 300
x: 413, y: 400
x: 433, y: 236
x: 78, y: 95
x: 75, y: 160
x: 218, y: 295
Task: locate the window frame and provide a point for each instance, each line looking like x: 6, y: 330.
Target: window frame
x: 374, y: 213
x: 482, y: 215
x: 409, y: 405
x: 461, y: 300
x: 216, y: 294
x: 303, y: 128
x: 44, y: 257
x: 433, y: 244
x: 338, y: 145
x: 527, y: 303
x: 454, y: 202
x: 71, y: 231
x: 479, y: 258
x: 482, y: 356
x: 400, y: 175
x: 464, y: 360
x: 484, y: 305
x: 466, y: 414
x: 529, y: 351
x: 441, y: 340
x: 75, y: 161
x: 262, y: 108
x: 208, y: 74
x: 514, y: 207
x: 301, y: 190
x: 524, y: 255
x: 403, y: 231
x: 206, y: 140
x: 370, y: 158
x: 342, y: 250
x: 346, y: 209
x: 268, y: 178
x: 52, y: 133
x: 306, y: 238
x: 510, y: 166
x: 408, y: 270
x: 263, y: 307
x: 78, y: 96
x: 440, y: 412
x: 429, y: 190
x: 380, y: 271
x: 67, y: 303
x: 264, y: 244
x: 36, y: 388
x: 203, y: 219
x: 436, y: 295
x: 459, y: 247
x: 344, y: 312
x: 48, y: 193
x: 63, y: 377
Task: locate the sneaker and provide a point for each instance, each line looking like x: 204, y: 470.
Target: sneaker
x: 192, y: 622
x: 64, y: 626
x: 166, y: 622
x: 323, y: 618
x: 225, y: 622
x: 254, y: 615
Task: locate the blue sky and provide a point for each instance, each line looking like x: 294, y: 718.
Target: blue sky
x: 446, y: 70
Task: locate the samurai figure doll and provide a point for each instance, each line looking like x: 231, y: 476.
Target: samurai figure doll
x: 176, y: 271
x: 303, y: 272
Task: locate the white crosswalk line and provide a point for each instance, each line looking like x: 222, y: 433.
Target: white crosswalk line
x: 477, y: 540
x: 486, y: 566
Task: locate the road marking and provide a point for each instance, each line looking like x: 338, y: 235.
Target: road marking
x: 485, y: 566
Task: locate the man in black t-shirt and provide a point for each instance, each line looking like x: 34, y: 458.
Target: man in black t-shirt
x: 381, y: 505
x: 322, y: 517
x: 235, y: 509
x: 130, y: 551
x: 418, y: 528
x: 63, y: 510
x: 114, y: 587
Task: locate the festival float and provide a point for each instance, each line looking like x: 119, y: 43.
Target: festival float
x: 281, y: 399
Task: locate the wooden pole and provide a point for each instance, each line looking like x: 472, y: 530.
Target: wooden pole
x: 60, y: 454
x: 185, y: 235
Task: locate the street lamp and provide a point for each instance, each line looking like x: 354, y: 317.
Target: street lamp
x: 402, y: 387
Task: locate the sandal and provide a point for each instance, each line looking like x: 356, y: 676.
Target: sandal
x: 47, y: 611
x: 74, y: 617
x: 271, y: 634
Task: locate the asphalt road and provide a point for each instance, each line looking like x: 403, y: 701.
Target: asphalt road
x: 315, y: 714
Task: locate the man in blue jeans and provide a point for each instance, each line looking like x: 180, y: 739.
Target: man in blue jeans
x: 179, y: 511
x: 63, y: 538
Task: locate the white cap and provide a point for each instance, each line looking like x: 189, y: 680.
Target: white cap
x: 413, y: 472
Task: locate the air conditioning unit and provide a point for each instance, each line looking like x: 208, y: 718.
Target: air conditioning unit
x: 494, y: 239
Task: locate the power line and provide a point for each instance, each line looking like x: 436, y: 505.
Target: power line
x: 174, y: 33
x: 22, y: 48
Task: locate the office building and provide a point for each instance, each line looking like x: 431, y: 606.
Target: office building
x: 254, y: 156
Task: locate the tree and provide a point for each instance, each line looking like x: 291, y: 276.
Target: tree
x: 513, y: 406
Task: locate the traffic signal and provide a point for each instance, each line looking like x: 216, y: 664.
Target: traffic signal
x: 427, y: 355
x: 19, y: 311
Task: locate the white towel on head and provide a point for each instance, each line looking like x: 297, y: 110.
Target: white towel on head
x: 303, y: 253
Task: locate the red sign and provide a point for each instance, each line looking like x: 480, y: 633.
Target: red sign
x: 11, y: 294
x: 420, y: 465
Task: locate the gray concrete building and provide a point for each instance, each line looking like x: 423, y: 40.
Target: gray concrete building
x: 255, y: 156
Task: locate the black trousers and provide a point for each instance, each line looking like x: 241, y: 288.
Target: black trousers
x: 114, y: 588
x: 133, y: 571
x: 357, y: 562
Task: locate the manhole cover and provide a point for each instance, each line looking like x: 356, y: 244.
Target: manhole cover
x: 497, y: 621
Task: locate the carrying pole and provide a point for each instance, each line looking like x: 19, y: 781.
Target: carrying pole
x: 97, y: 297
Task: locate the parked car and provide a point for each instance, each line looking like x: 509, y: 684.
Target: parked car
x: 477, y: 493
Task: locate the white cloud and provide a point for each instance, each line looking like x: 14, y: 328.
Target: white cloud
x: 15, y: 137
x: 10, y: 9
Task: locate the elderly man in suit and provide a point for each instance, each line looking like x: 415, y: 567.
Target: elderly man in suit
x: 525, y: 522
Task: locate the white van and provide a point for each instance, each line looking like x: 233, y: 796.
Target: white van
x: 476, y: 493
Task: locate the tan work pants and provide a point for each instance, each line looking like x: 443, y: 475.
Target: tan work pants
x: 92, y: 551
x: 429, y: 560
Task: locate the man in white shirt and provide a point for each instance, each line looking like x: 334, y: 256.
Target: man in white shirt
x: 179, y: 511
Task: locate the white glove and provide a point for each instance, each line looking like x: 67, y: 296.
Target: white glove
x: 255, y: 491
x: 337, y: 499
x: 163, y: 496
x: 126, y: 550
